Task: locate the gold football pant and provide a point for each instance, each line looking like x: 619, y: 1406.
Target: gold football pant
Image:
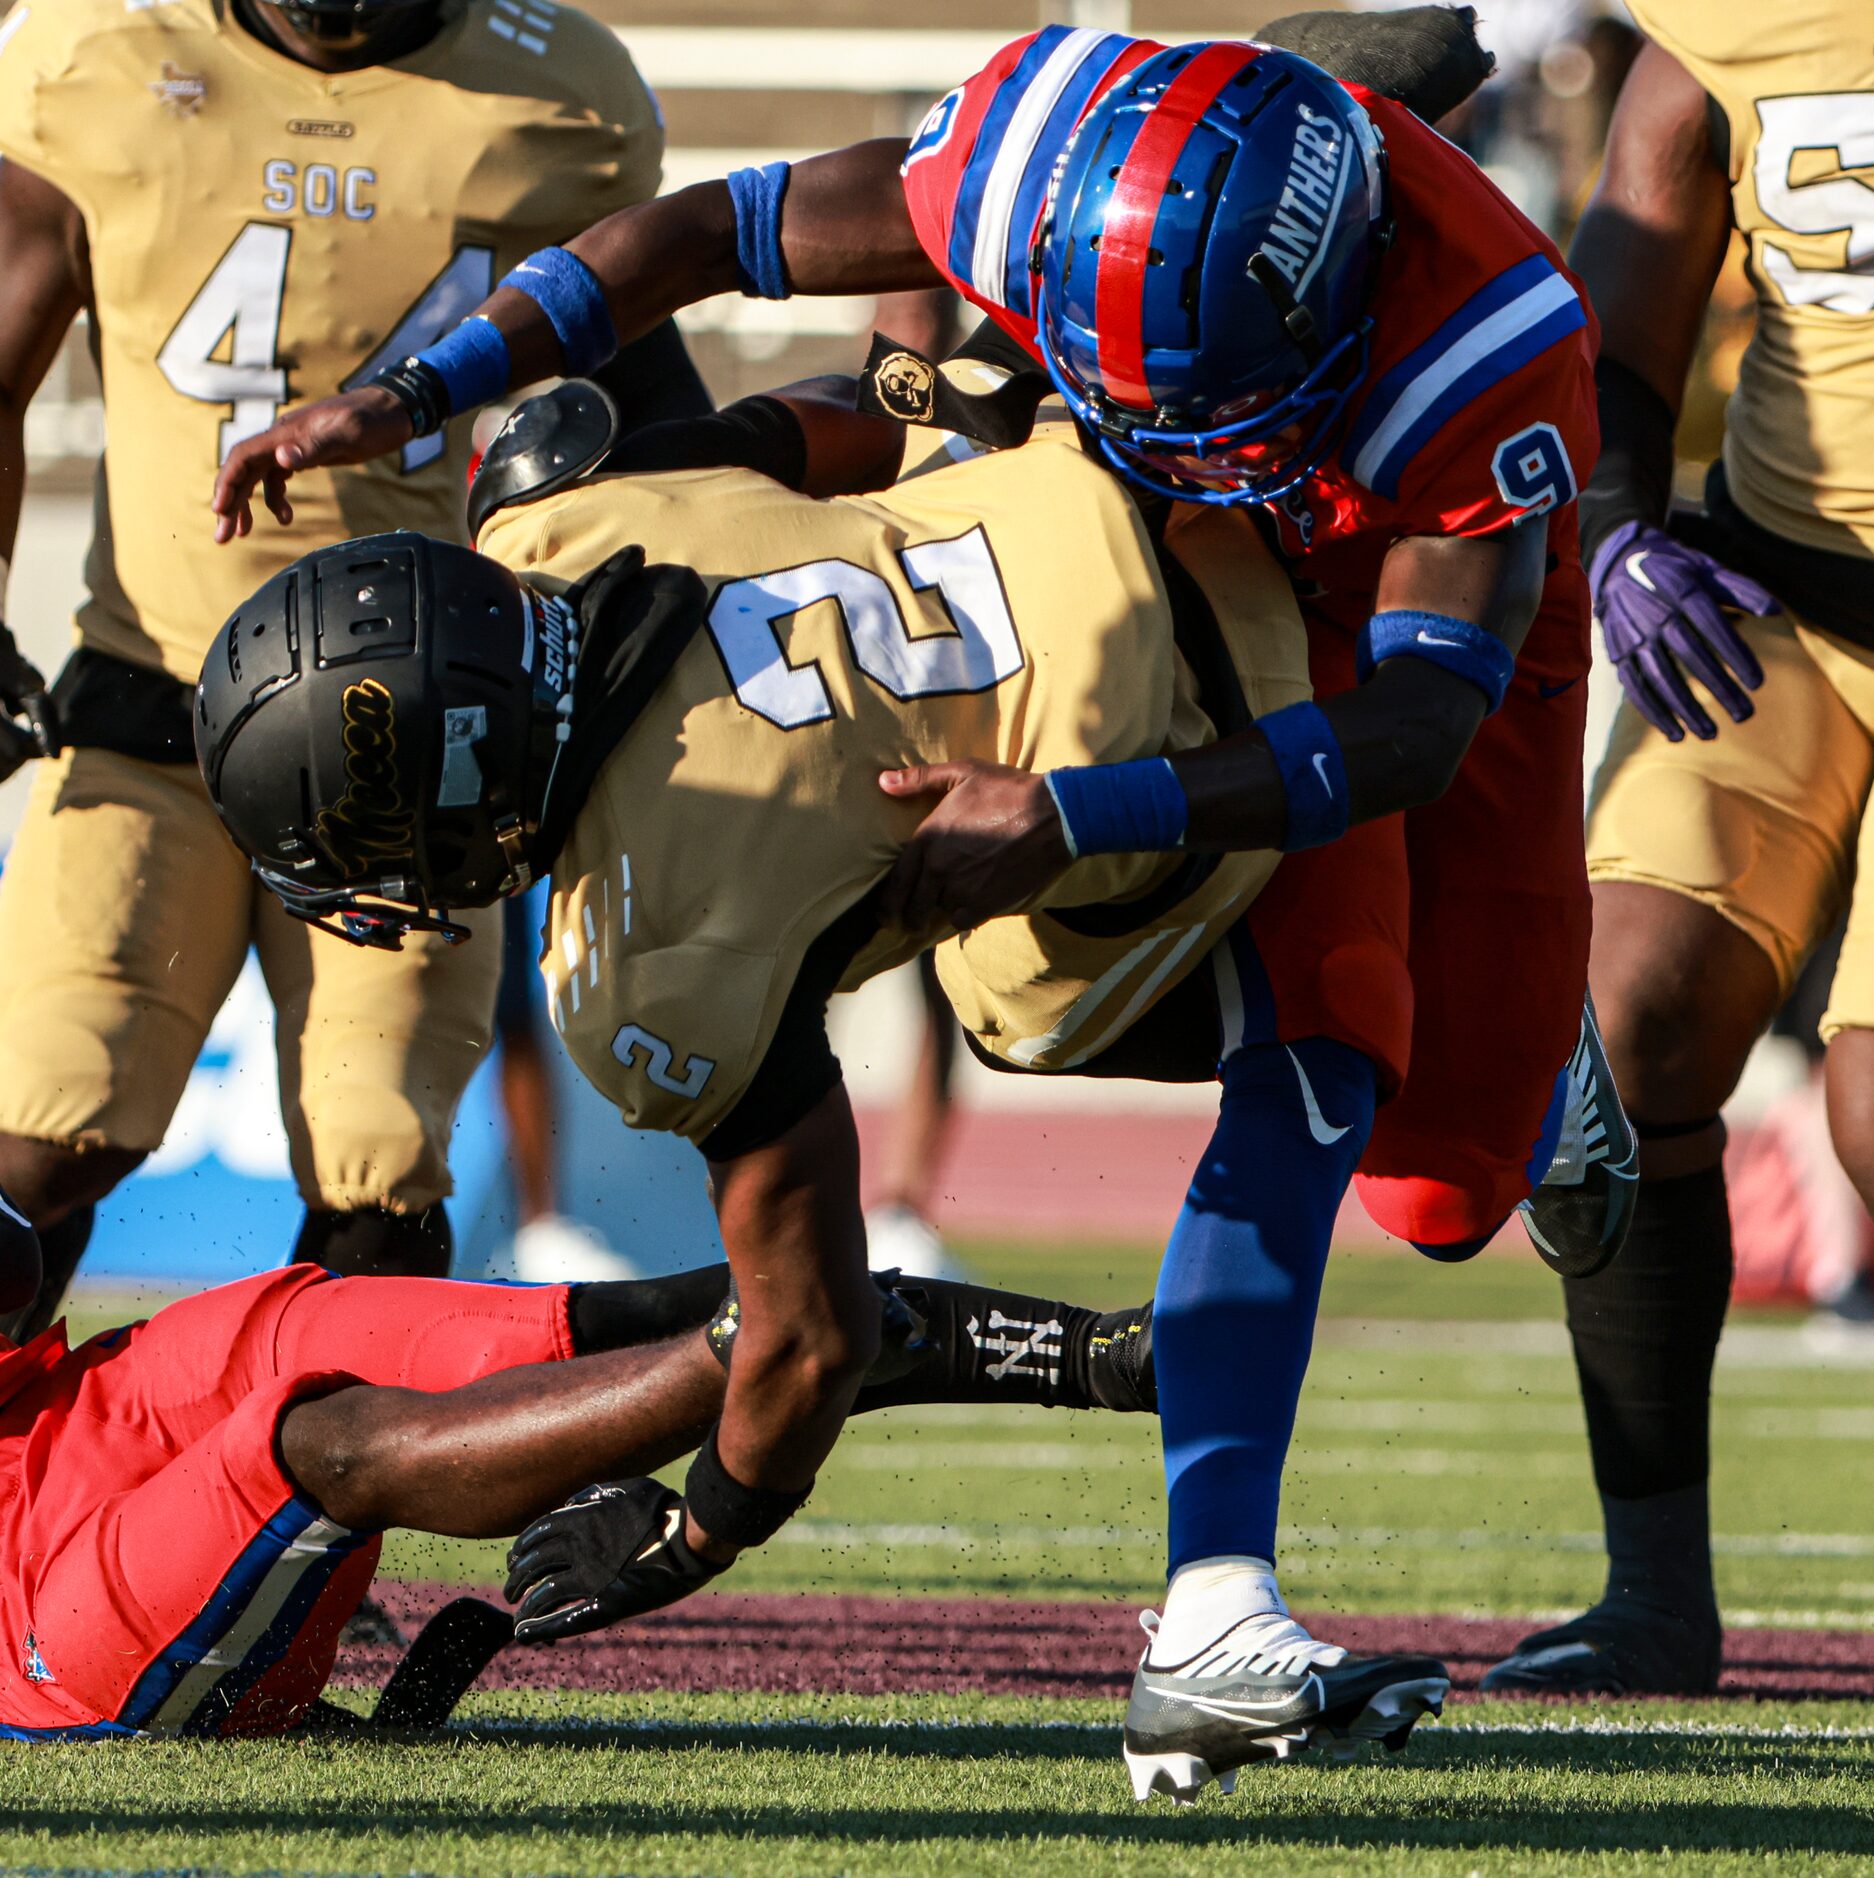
x: 125, y: 916
x: 1765, y: 824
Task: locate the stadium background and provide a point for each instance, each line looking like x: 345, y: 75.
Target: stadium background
x: 746, y: 81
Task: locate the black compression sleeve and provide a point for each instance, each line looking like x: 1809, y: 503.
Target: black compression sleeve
x: 652, y: 380
x: 756, y: 433
x: 1632, y: 480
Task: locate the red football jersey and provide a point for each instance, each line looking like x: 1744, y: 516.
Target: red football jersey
x: 1477, y: 408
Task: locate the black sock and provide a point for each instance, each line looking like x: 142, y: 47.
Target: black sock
x: 1645, y: 1333
x: 60, y: 1249
x: 986, y: 1345
x: 374, y: 1242
x: 1659, y: 1555
x: 618, y: 1313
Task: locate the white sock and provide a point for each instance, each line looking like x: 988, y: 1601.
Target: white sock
x: 1234, y: 1597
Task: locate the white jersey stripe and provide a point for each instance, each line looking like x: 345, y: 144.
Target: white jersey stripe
x: 309, y: 1549
x: 989, y: 260
x: 1547, y: 296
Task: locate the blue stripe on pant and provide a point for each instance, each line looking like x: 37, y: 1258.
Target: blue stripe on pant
x: 1241, y: 1281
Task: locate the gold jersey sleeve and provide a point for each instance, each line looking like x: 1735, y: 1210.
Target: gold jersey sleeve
x: 1008, y: 608
x: 261, y: 234
x: 1795, y: 81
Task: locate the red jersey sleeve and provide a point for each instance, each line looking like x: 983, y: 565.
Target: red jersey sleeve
x: 976, y: 174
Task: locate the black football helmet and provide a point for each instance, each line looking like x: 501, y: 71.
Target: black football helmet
x: 378, y: 728
x: 369, y: 28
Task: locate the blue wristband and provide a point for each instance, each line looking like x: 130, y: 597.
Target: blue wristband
x: 1120, y: 808
x: 1463, y: 649
x: 1314, y: 775
x: 472, y: 362
x: 757, y: 196
x: 566, y: 291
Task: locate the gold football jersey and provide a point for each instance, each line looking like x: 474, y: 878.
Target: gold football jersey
x: 1008, y: 608
x: 261, y: 234
x: 1795, y: 80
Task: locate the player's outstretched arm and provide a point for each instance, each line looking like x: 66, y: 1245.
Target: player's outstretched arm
x: 996, y: 836
x: 844, y: 228
x: 1649, y: 249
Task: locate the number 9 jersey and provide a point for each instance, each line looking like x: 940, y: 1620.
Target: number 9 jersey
x: 262, y: 234
x: 1795, y: 85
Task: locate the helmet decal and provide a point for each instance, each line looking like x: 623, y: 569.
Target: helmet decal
x: 371, y: 821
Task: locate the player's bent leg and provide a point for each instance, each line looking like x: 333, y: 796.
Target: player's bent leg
x: 1683, y: 994
x: 375, y: 1051
x: 57, y: 1188
x: 21, y: 1261
x: 1228, y: 1677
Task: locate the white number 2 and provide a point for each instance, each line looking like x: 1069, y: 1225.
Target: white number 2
x: 1841, y: 122
x: 240, y: 302
x: 982, y: 652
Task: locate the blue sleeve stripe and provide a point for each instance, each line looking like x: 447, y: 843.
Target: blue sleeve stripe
x: 1496, y: 332
x: 988, y: 147
x: 77, y: 1731
x: 1082, y: 79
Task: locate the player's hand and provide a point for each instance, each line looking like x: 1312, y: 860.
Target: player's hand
x: 611, y: 1552
x: 23, y: 695
x: 1662, y: 609
x: 353, y: 427
x: 992, y: 840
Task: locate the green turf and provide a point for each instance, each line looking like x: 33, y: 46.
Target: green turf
x: 940, y: 1786
x: 1439, y: 1466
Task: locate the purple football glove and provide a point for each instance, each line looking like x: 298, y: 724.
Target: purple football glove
x: 1661, y: 606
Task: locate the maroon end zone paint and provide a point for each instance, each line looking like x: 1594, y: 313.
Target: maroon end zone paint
x: 815, y: 1644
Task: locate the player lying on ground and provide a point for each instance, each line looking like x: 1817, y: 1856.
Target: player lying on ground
x: 1722, y: 859
x: 252, y: 202
x: 191, y: 1508
x: 1256, y: 286
x: 380, y: 730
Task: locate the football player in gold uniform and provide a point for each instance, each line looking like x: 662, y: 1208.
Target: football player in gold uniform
x: 1720, y: 858
x: 255, y: 203
x: 689, y: 731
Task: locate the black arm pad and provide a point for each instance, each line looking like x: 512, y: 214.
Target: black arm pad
x: 1632, y: 480
x: 757, y: 433
x: 1426, y: 57
x: 652, y: 380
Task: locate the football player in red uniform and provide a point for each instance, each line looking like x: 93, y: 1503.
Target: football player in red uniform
x: 191, y: 1508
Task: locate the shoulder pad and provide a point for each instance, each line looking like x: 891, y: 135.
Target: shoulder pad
x: 548, y: 442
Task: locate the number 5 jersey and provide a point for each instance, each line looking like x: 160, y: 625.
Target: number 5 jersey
x: 262, y: 234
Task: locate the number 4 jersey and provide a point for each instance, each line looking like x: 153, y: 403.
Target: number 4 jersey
x: 1794, y: 84
x: 1009, y: 608
x: 262, y: 234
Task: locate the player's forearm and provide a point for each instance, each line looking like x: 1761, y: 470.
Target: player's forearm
x: 809, y: 1326
x: 844, y: 228
x: 1401, y: 736
x: 482, y: 1461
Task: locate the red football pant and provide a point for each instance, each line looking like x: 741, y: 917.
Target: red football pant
x: 172, y: 1577
x: 1451, y: 945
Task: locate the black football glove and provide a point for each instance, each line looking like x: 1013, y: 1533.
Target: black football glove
x: 23, y: 694
x: 612, y: 1551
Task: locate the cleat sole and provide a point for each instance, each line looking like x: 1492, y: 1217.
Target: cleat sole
x: 1183, y: 1776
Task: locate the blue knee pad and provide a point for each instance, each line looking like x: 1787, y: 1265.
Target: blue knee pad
x: 1241, y: 1282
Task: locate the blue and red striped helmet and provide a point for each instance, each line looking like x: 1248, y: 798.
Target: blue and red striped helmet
x: 1206, y: 259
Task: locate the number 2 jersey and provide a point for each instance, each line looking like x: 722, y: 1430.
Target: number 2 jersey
x: 1009, y: 608
x: 1794, y: 84
x: 262, y: 234
x: 1477, y: 409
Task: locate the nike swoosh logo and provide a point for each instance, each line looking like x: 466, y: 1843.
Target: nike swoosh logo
x: 1320, y: 769
x: 1271, y: 1712
x: 1555, y: 691
x: 1431, y: 639
x: 1636, y: 570
x: 1318, y: 1125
